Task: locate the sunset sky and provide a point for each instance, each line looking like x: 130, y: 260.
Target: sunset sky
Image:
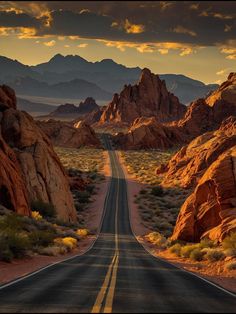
x: 194, y: 38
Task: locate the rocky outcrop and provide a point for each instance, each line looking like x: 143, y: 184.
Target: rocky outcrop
x: 68, y: 135
x: 7, y: 98
x: 42, y: 173
x: 189, y: 164
x: 147, y: 98
x: 148, y: 133
x: 13, y: 194
x: 202, y: 116
x: 210, y: 211
x: 83, y: 108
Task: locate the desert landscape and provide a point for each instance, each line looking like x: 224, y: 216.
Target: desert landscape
x: 117, y: 181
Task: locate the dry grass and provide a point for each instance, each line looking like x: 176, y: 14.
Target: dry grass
x: 142, y: 164
x: 83, y: 159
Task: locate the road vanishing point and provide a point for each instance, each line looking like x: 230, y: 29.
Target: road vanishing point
x: 117, y: 275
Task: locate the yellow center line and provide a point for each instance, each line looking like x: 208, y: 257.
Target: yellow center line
x: 112, y: 270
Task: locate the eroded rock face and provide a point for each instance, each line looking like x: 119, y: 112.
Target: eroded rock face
x: 43, y: 175
x: 189, y: 164
x: 148, y: 133
x: 7, y: 98
x: 148, y: 98
x: 210, y: 211
x: 203, y: 115
x: 68, y: 135
x: 13, y: 194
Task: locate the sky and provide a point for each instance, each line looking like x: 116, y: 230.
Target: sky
x: 194, y: 38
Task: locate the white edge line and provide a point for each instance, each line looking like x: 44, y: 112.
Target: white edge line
x: 165, y: 261
x: 72, y: 257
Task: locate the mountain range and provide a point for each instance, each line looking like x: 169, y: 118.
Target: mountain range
x: 74, y: 77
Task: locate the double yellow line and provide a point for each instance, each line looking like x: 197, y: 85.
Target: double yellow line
x: 107, y: 290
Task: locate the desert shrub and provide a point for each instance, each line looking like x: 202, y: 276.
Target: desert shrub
x: 68, y: 242
x: 206, y: 243
x: 157, y: 239
x: 13, y: 245
x: 83, y: 196
x: 175, y: 249
x: 90, y: 188
x: 230, y: 266
x: 230, y: 242
x: 143, y: 191
x: 187, y: 250
x: 36, y: 215
x: 157, y: 190
x: 50, y: 250
x: 41, y: 238
x: 11, y: 222
x: 197, y: 255
x: 214, y: 255
x: 230, y: 252
x: 44, y: 209
x: 82, y: 232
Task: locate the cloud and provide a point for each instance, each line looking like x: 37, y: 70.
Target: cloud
x: 84, y: 45
x: 191, y: 23
x: 162, y: 47
x: 50, y: 43
x: 133, y: 28
x: 231, y: 57
x: 182, y: 30
x: 221, y: 72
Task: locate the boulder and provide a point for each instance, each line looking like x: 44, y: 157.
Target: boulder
x: 68, y: 135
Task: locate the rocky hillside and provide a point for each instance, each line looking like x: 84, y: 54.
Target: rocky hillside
x: 210, y: 210
x: 68, y: 135
x: 202, y: 116
x: 149, y: 97
x: 189, y: 164
x: 83, y: 108
x: 30, y: 168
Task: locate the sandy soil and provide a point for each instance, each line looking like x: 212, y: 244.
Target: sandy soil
x: 213, y: 272
x: 22, y: 267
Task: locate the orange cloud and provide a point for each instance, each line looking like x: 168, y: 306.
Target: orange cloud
x: 162, y: 47
x: 133, y: 28
x: 50, y: 43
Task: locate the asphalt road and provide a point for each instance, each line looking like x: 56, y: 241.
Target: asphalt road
x: 117, y: 275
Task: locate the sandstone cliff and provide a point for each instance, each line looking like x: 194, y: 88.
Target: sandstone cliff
x: 210, y: 211
x: 190, y: 163
x: 32, y: 170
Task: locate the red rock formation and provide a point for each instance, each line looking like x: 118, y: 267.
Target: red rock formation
x: 13, y: 194
x: 42, y: 172
x: 190, y: 163
x: 148, y: 98
x: 7, y: 98
x: 202, y: 115
x: 66, y: 135
x: 210, y: 211
x: 148, y: 133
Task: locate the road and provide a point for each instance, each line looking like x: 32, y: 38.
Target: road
x: 116, y: 275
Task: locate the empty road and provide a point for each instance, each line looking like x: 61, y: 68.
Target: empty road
x: 116, y: 275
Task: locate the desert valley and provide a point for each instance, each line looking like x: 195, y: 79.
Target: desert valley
x: 117, y: 186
